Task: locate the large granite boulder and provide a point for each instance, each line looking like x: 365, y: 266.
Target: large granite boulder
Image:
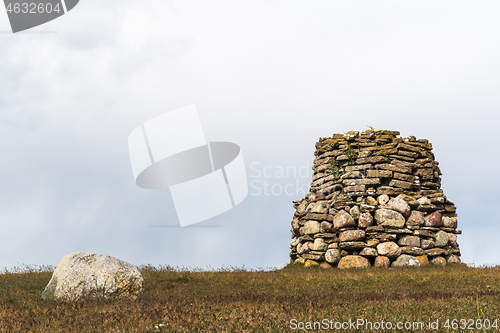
x: 81, y: 275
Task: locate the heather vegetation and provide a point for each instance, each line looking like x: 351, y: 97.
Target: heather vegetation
x: 239, y: 300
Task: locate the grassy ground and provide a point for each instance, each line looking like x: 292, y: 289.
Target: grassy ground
x: 265, y: 301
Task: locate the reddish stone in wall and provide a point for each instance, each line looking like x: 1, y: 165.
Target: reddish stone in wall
x: 365, y: 220
x: 382, y: 261
x: 433, y: 220
x: 343, y: 220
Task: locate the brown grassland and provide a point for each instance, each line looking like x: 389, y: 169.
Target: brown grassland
x: 238, y: 300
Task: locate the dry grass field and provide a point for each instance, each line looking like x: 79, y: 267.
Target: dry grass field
x: 280, y: 300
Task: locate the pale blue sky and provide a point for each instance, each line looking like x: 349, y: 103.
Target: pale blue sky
x: 271, y: 76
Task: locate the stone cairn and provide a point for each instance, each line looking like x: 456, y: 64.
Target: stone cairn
x: 375, y: 200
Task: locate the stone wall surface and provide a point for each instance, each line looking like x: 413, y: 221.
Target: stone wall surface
x: 375, y: 200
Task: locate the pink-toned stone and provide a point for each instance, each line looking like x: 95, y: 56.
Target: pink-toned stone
x: 319, y: 196
x: 433, y: 220
x: 343, y: 220
x: 344, y: 253
x: 295, y: 225
x: 382, y: 261
x: 347, y: 208
x: 301, y: 231
x: 352, y: 235
x: 365, y: 220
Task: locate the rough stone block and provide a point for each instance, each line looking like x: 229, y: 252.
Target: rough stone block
x: 352, y: 245
x: 401, y: 184
x: 413, y: 250
x: 355, y: 188
x: 311, y: 227
x: 389, y: 190
x: 407, y: 153
x: 409, y: 241
x: 434, y: 252
x: 371, y: 159
x: 416, y: 219
x: 395, y: 168
x: 363, y: 181
x: 409, y: 147
x: 404, y: 177
x: 378, y: 173
x: 389, y: 218
x: 358, y: 167
x: 352, y: 235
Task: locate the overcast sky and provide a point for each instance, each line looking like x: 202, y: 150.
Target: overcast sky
x: 271, y: 76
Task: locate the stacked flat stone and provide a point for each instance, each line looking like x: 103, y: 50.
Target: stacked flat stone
x: 383, y: 205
